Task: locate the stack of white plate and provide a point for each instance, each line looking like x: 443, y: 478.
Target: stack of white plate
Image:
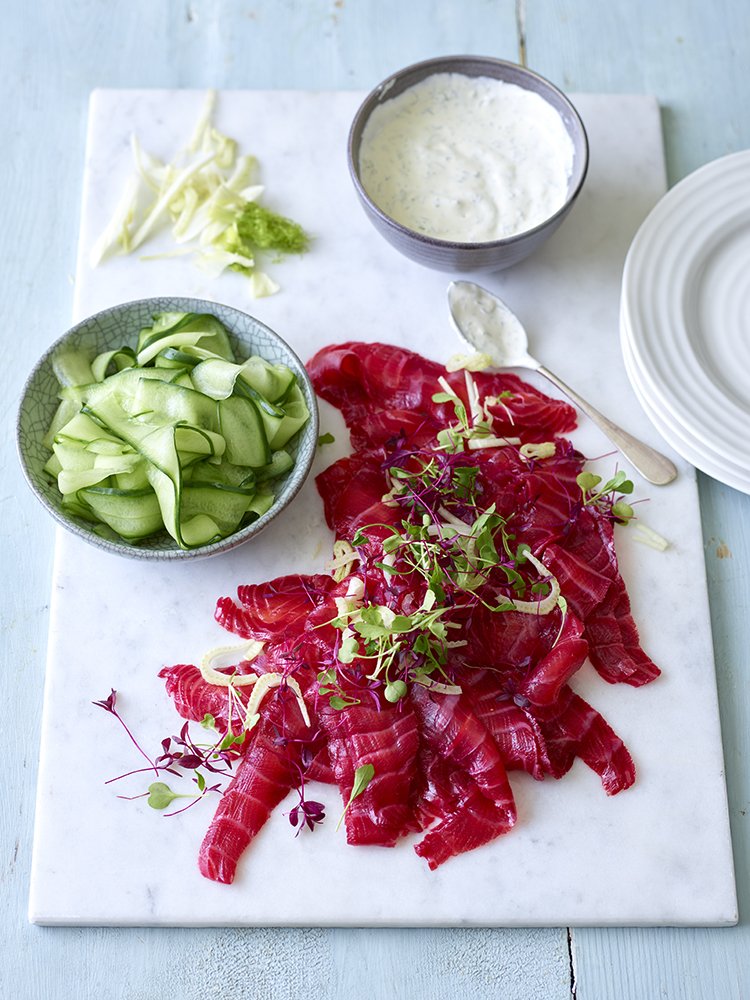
x: 685, y: 318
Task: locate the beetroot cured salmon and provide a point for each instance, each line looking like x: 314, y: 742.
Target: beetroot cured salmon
x: 266, y: 773
x: 388, y: 739
x: 485, y: 808
x: 474, y: 574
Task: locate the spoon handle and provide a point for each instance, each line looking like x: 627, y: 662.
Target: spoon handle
x: 653, y: 466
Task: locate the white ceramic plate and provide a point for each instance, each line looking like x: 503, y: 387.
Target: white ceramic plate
x: 698, y: 454
x: 685, y: 315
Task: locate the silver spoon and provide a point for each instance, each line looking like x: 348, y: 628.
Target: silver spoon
x: 491, y: 328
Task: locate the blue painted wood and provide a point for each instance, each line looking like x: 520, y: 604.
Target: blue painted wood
x: 693, y: 57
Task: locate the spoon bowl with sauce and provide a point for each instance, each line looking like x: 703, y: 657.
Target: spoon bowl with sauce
x: 467, y: 163
x: 487, y: 324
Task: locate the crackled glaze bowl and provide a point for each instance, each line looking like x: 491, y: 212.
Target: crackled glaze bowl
x: 113, y: 328
x: 452, y: 255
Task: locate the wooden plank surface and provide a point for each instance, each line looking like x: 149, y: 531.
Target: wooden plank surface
x: 693, y: 57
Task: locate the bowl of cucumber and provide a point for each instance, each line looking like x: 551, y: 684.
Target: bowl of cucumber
x: 167, y: 428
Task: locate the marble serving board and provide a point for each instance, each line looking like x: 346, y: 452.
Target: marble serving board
x: 659, y: 853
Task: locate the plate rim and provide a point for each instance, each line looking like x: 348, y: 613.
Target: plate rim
x: 690, y: 450
x: 667, y: 218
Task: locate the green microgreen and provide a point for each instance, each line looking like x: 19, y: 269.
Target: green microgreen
x: 362, y: 778
x: 329, y: 686
x: 603, y: 496
x: 473, y: 424
x: 458, y: 408
x: 181, y: 755
x: 453, y: 548
x: 348, y: 649
x: 460, y: 554
x: 161, y: 796
x: 453, y: 439
x: 230, y: 740
x: 395, y: 691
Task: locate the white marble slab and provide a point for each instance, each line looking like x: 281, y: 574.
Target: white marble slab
x: 659, y: 853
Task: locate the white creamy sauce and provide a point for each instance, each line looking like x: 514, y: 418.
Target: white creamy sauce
x: 488, y: 324
x: 467, y: 159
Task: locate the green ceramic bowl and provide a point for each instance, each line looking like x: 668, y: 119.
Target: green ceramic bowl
x: 119, y: 325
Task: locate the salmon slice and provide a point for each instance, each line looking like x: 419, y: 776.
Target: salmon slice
x: 387, y: 739
x: 266, y: 773
x: 484, y: 809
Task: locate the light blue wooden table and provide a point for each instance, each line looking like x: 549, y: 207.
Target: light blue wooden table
x: 694, y: 57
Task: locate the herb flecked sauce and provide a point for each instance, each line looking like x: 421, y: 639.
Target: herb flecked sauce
x: 466, y: 159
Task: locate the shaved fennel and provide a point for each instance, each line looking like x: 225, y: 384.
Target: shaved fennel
x: 208, y: 197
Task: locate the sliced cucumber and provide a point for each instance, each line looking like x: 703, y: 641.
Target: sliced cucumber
x: 132, y: 514
x: 119, y: 359
x: 190, y: 329
x: 227, y: 504
x: 242, y: 428
x: 72, y: 367
x: 273, y: 382
x: 296, y: 415
x: 176, y: 435
x: 281, y: 463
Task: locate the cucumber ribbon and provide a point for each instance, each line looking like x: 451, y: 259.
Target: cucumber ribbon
x: 173, y: 435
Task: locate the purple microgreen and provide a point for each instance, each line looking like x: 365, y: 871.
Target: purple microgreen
x: 181, y: 755
x: 307, y: 814
x: 142, y: 770
x: 190, y: 761
x: 108, y: 704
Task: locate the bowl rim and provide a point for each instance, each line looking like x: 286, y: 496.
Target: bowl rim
x: 133, y: 551
x: 440, y: 64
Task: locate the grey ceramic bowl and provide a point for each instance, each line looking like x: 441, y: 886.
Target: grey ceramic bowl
x: 446, y: 255
x: 120, y: 325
